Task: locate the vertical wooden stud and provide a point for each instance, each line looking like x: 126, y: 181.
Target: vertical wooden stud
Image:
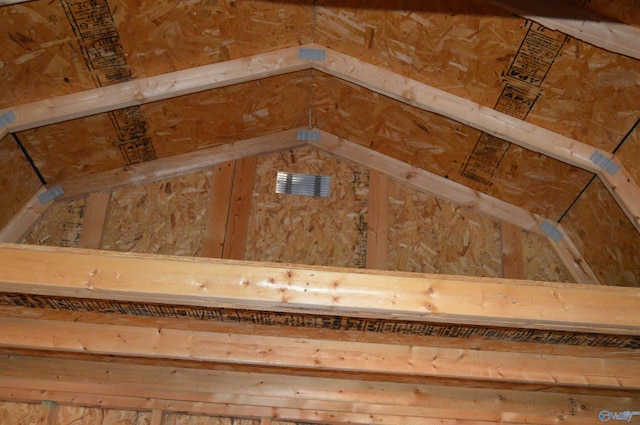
x: 377, y: 245
x: 157, y: 417
x: 95, y: 216
x: 240, y: 208
x: 220, y: 194
x: 512, y: 253
x: 48, y: 413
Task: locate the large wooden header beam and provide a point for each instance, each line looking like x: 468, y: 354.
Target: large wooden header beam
x: 316, y: 290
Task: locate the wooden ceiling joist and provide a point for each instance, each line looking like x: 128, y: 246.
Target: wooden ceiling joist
x: 579, y: 23
x: 325, y: 400
x: 346, y: 356
x: 316, y: 290
x: 459, y: 194
x: 376, y: 78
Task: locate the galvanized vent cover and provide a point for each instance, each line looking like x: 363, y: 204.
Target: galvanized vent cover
x: 303, y: 184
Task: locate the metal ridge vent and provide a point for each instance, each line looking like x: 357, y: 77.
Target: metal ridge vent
x: 303, y: 184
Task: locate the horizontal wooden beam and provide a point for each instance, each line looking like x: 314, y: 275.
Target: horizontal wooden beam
x: 327, y: 400
x: 362, y: 357
x: 25, y: 219
x: 144, y: 90
x: 458, y: 194
x: 318, y: 290
x: 579, y: 23
x: 178, y: 165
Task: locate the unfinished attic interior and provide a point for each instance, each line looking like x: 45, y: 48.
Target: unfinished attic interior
x: 317, y: 211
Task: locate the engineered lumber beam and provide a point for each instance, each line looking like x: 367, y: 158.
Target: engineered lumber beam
x: 625, y: 191
x: 488, y: 120
x: 458, y: 194
x: 367, y: 401
x: 378, y: 221
x: 94, y: 219
x: 145, y: 90
x: 25, y: 219
x: 579, y: 23
x: 178, y: 165
x: 318, y: 290
x: 512, y: 254
x: 362, y: 357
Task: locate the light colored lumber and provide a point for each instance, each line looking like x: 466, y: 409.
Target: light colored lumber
x: 458, y: 194
x: 218, y: 213
x: 579, y: 23
x: 94, y: 219
x: 265, y: 421
x: 377, y: 220
x: 9, y: 2
x: 157, y: 417
x: 376, y: 358
x: 48, y: 413
x: 512, y: 254
x: 240, y: 208
x: 178, y: 165
x: 625, y: 191
x: 318, y: 290
x: 3, y: 132
x: 571, y: 257
x: 383, y: 401
x: 144, y: 90
x: 25, y: 219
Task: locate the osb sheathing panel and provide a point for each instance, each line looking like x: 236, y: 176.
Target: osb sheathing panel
x: 524, y: 178
x: 232, y: 113
x: 183, y: 419
x: 467, y: 47
x: 73, y: 148
x: 309, y: 230
x: 165, y: 217
x: 19, y: 413
x: 608, y: 241
x: 17, y: 179
x: 42, y: 58
x: 590, y: 95
x: 540, y: 260
x: 179, y: 125
x: 433, y: 236
x: 72, y: 415
x: 457, y: 45
x: 60, y: 226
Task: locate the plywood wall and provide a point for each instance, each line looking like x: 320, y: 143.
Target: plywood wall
x: 308, y: 230
x: 433, y: 236
x: 540, y: 260
x: 17, y: 179
x: 425, y: 234
x: 608, y: 240
x: 31, y: 413
x: 60, y: 226
x: 165, y: 217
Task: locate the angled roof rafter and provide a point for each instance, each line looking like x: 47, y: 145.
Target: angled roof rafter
x: 579, y: 23
x: 380, y: 80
